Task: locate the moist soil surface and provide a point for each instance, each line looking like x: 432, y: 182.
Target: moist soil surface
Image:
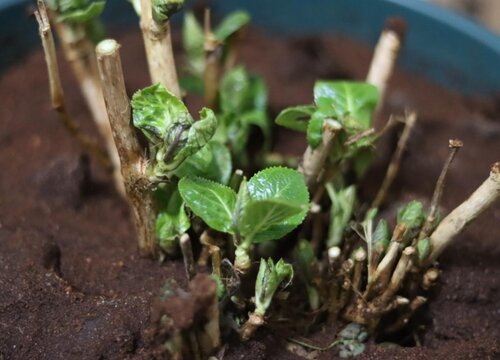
x: 72, y: 285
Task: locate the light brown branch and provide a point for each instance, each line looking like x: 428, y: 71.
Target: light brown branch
x: 159, y: 53
x: 56, y: 90
x: 470, y: 209
x: 212, y: 72
x: 133, y: 164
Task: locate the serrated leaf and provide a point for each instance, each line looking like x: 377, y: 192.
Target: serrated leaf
x: 169, y: 127
x: 351, y: 103
x: 242, y: 200
x: 212, y: 162
x: 213, y: 203
x: 83, y: 15
x: 296, y: 118
x: 231, y: 24
x: 282, y: 184
x: 172, y: 220
x: 264, y: 219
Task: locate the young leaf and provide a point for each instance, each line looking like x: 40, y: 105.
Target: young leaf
x: 193, y: 39
x: 296, y: 118
x: 423, y: 249
x: 231, y: 24
x: 381, y: 236
x: 285, y: 185
x: 351, y: 103
x: 167, y: 124
x: 315, y: 130
x: 212, y: 162
x: 268, y: 280
x: 172, y: 220
x: 82, y: 14
x: 264, y: 219
x: 341, y: 212
x: 164, y: 9
x: 304, y: 255
x: 212, y: 202
x: 412, y: 214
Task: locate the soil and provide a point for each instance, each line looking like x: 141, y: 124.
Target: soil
x: 72, y: 283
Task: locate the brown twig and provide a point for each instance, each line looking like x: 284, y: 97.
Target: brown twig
x: 187, y: 255
x: 212, y: 63
x: 56, y: 90
x: 159, y: 53
x: 133, y: 164
x: 393, y: 168
x: 454, y: 145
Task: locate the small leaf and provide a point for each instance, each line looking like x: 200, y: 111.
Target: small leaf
x: 231, y: 24
x: 83, y: 14
x: 412, y: 214
x: 242, y: 200
x: 193, y: 39
x: 296, y: 118
x: 268, y: 280
x: 423, y: 249
x: 172, y: 220
x: 315, y: 130
x: 281, y: 184
x: 164, y: 9
x: 341, y: 211
x: 381, y: 236
x: 212, y: 162
x: 351, y: 103
x: 213, y: 203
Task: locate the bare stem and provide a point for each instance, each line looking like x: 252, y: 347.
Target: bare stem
x: 212, y: 63
x: 386, y: 53
x: 454, y: 145
x: 158, y: 44
x: 79, y: 52
x: 133, y: 164
x: 254, y: 321
x: 470, y: 209
x: 56, y: 90
x: 393, y: 168
x: 314, y: 159
x: 187, y: 254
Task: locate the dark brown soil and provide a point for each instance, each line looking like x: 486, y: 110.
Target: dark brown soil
x: 72, y: 284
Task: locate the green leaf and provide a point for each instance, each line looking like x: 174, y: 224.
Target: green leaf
x: 192, y: 84
x: 231, y: 24
x: 304, y: 254
x: 268, y: 280
x: 341, y: 211
x: 423, y: 249
x: 264, y: 219
x: 213, y: 203
x: 84, y: 14
x: 381, y: 236
x: 351, y: 103
x: 412, y: 214
x: 172, y: 220
x: 164, y: 9
x: 242, y: 200
x: 241, y: 92
x: 167, y: 124
x: 315, y: 130
x: 212, y: 162
x: 193, y: 39
x: 296, y: 118
x: 281, y: 184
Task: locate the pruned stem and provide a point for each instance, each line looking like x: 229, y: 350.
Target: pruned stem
x: 454, y: 145
x: 212, y: 63
x: 455, y: 222
x: 406, y: 314
x: 133, y: 164
x: 314, y: 159
x: 386, y: 53
x: 255, y: 320
x: 56, y: 90
x: 79, y: 52
x: 393, y: 168
x: 399, y: 274
x: 159, y: 53
x: 187, y: 254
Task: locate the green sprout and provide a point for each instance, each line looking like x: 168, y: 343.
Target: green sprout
x: 269, y: 279
x: 307, y: 262
x: 267, y: 207
x: 341, y: 212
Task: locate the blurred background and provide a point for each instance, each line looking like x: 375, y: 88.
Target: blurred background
x: 485, y: 11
